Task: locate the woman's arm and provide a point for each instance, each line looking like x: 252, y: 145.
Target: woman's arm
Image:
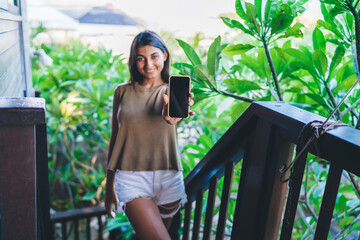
x: 110, y: 197
x: 114, y: 125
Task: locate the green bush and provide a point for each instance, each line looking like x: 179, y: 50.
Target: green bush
x: 78, y: 88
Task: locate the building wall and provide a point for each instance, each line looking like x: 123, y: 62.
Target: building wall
x: 15, y: 69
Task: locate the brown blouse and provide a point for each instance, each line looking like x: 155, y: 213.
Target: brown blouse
x: 142, y: 140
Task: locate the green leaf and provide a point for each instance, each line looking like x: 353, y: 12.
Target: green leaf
x: 188, y: 69
x: 298, y: 3
x: 203, y: 73
x: 317, y: 98
x: 330, y: 2
x: 282, y: 19
x: 189, y: 52
x: 240, y: 10
x: 290, y: 67
x: 258, y: 5
x: 292, y: 32
x: 213, y: 58
x: 307, y: 51
x: 253, y: 64
x: 320, y: 62
x: 241, y: 86
x: 331, y: 27
x: 325, y: 13
x: 270, y: 10
x: 345, y: 222
x: 345, y: 84
x: 225, y: 105
x: 301, y: 57
x: 183, y: 67
x: 202, y: 93
x: 355, y: 227
x: 335, y: 61
x: 235, y: 24
x: 237, y: 49
x: 251, y: 14
x: 89, y: 196
x: 336, y: 10
x: 349, y: 19
x: 263, y: 63
x: 319, y: 40
x: 286, y: 44
x: 299, y: 25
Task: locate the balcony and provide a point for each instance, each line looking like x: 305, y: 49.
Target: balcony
x: 262, y: 140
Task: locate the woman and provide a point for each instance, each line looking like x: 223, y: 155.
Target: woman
x: 144, y: 175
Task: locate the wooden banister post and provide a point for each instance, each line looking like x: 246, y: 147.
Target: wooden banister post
x: 261, y: 195
x: 22, y: 212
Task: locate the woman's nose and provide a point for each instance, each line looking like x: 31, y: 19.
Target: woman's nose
x: 149, y: 63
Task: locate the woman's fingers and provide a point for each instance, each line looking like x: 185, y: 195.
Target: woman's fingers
x: 108, y: 207
x: 115, y: 205
x: 166, y: 98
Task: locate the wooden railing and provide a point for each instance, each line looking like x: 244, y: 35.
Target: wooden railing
x: 263, y: 141
x: 70, y: 221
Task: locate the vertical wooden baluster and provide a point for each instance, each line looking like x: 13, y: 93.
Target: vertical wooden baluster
x: 175, y: 226
x: 253, y: 175
x: 88, y: 233
x: 210, y: 208
x: 76, y: 229
x: 197, y: 217
x: 293, y: 197
x: 52, y: 231
x: 187, y: 220
x: 63, y: 230
x: 328, y: 202
x: 225, y: 197
x: 100, y: 227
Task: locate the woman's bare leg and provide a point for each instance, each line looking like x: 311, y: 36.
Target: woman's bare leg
x: 167, y: 209
x: 145, y: 218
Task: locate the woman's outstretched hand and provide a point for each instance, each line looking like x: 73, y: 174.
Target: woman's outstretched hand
x: 171, y: 120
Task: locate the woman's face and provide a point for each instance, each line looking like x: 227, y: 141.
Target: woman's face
x: 150, y: 61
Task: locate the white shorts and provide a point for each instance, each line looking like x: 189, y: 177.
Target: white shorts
x: 164, y: 186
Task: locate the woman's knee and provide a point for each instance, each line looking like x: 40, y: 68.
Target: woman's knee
x: 145, y: 218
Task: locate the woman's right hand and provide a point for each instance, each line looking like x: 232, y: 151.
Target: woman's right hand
x: 110, y: 196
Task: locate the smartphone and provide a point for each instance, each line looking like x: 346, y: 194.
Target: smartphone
x: 179, y: 92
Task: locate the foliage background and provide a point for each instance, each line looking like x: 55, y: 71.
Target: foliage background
x: 267, y: 64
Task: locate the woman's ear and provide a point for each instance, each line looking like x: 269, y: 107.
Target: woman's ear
x: 165, y: 55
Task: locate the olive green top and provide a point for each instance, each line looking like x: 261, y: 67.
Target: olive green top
x: 144, y: 140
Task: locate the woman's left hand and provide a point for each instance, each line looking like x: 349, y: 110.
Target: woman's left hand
x: 171, y: 120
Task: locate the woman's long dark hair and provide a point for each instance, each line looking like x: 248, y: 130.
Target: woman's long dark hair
x: 144, y: 38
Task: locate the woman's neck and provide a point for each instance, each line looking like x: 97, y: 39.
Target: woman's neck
x: 151, y: 82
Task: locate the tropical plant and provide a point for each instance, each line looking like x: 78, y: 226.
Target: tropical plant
x: 313, y: 76
x: 78, y: 89
x: 341, y: 17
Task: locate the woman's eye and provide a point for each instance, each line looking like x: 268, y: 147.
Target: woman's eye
x: 154, y: 56
x: 139, y: 59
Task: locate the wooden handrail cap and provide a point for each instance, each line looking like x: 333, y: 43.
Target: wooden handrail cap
x: 25, y: 102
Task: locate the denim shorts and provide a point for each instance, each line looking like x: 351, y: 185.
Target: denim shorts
x: 164, y: 186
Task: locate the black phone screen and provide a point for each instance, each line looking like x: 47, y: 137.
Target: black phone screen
x: 179, y: 89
